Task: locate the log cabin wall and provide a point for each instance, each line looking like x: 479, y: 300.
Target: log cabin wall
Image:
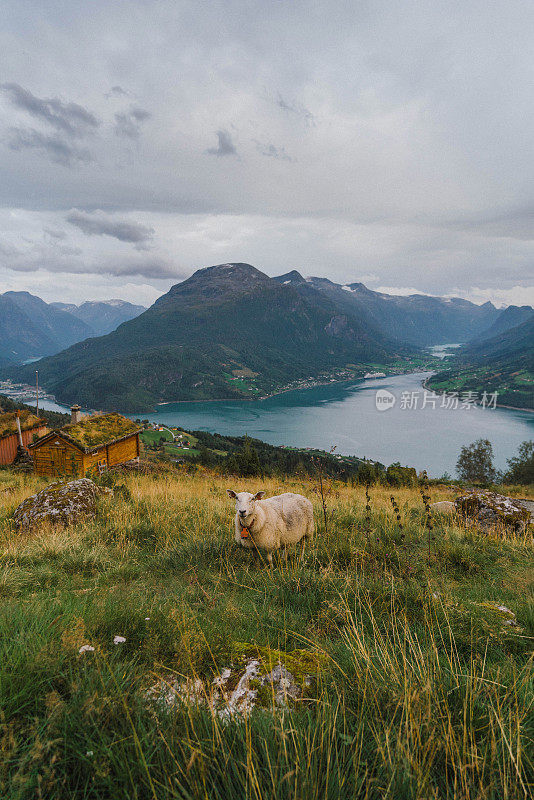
x: 58, y: 458
x: 9, y: 444
x: 119, y: 452
x: 91, y: 461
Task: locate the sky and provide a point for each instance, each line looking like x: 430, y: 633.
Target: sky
x: 360, y: 140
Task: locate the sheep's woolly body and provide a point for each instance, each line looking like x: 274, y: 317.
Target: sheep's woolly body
x: 274, y: 522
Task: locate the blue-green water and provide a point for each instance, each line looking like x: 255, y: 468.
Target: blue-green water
x: 345, y: 415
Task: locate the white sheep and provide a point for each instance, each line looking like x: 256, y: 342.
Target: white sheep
x: 269, y: 524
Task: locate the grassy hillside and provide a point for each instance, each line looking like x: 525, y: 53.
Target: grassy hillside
x: 503, y: 364
x: 421, y: 690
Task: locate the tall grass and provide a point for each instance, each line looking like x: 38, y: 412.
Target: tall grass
x: 422, y: 691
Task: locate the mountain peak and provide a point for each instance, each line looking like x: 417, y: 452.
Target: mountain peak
x: 290, y: 277
x: 212, y: 282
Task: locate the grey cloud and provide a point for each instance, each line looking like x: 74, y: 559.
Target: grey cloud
x: 226, y: 147
x: 128, y: 123
x: 66, y: 263
x: 56, y: 148
x: 99, y: 224
x: 55, y: 234
x: 117, y: 90
x: 271, y: 151
x: 297, y: 109
x: 56, y: 257
x: 70, y: 118
x: 7, y: 250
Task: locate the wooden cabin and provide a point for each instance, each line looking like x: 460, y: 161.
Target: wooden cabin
x: 87, y: 446
x: 30, y: 427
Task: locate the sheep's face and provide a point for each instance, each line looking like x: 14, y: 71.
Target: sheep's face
x: 245, y: 504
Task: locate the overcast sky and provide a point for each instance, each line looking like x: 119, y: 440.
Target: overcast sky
x: 384, y: 142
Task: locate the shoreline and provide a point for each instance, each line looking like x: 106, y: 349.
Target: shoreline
x: 282, y: 391
x: 249, y: 399
x: 497, y: 405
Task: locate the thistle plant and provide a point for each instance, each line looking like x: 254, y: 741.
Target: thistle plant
x: 324, y: 487
x: 396, y: 509
x: 429, y: 523
x: 367, y: 519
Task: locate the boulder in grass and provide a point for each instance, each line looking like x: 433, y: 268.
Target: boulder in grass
x: 256, y: 677
x: 60, y: 503
x: 492, y: 510
x: 443, y: 507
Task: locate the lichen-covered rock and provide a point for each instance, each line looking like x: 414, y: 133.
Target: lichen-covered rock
x: 60, y: 503
x: 492, y: 510
x: 529, y: 505
x: 489, y: 617
x: 254, y: 681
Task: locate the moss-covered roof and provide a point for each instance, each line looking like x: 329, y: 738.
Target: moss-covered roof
x: 96, y: 431
x: 8, y: 424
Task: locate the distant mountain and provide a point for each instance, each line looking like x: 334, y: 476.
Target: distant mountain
x: 30, y: 328
x: 503, y: 364
x: 102, y: 316
x: 417, y: 319
x: 227, y: 331
x: 508, y: 318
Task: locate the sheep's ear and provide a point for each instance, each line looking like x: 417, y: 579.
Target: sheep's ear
x: 258, y: 495
x: 231, y: 494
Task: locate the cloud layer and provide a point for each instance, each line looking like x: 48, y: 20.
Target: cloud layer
x: 97, y: 223
x: 343, y: 139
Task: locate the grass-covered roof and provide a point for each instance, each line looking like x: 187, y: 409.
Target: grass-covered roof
x: 98, y: 430
x: 8, y: 424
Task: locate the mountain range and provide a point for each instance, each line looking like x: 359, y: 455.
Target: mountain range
x: 416, y: 319
x: 31, y: 328
x: 102, y: 316
x: 231, y: 331
x: 227, y: 331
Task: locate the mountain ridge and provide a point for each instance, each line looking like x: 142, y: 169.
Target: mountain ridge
x: 102, y: 316
x: 417, y: 319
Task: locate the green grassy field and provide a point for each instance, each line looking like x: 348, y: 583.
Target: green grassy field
x: 422, y: 691
x: 514, y: 387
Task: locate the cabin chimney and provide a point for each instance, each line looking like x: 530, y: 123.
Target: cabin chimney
x: 75, y: 414
x: 19, y: 433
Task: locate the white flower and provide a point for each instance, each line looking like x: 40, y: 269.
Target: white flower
x: 89, y: 753
x: 86, y: 648
x: 118, y: 639
x: 147, y: 618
